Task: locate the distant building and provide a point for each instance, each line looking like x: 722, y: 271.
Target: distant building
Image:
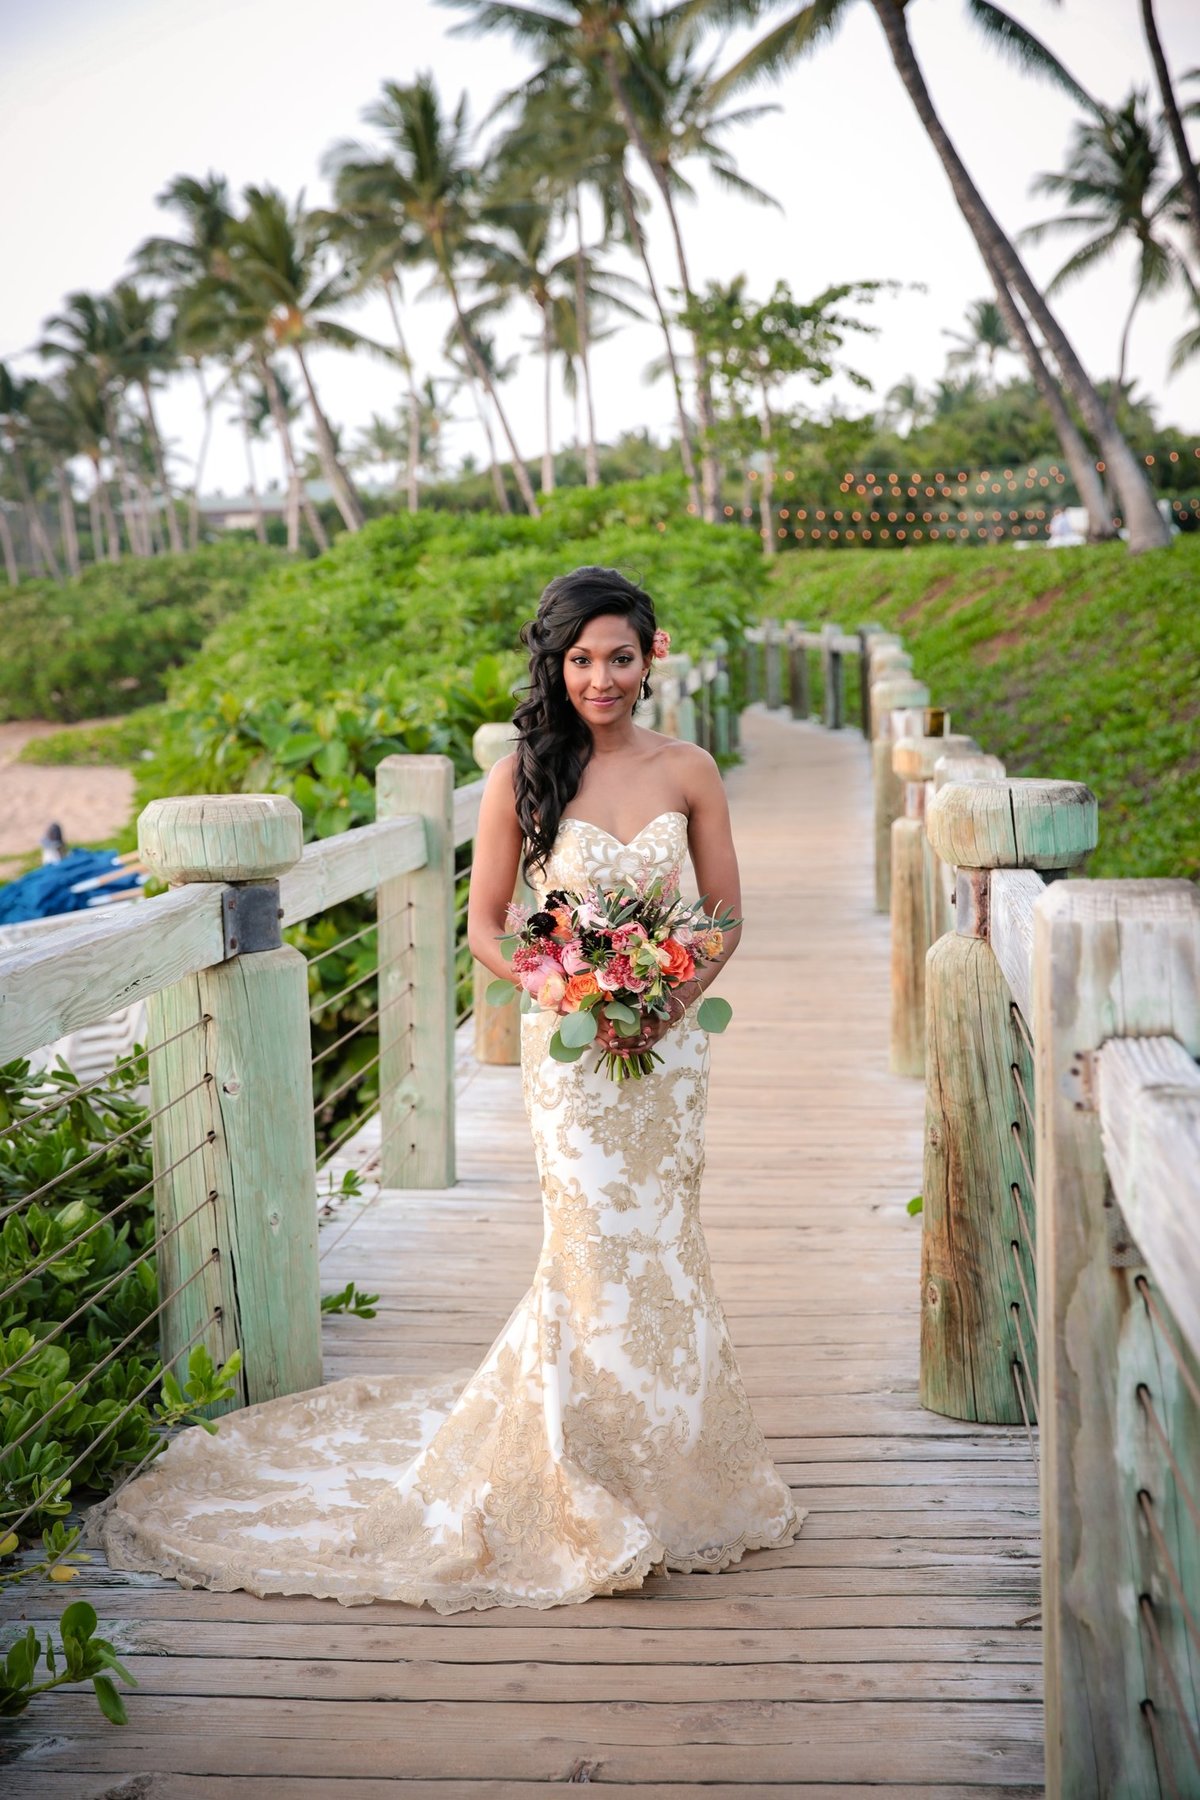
x: 235, y: 512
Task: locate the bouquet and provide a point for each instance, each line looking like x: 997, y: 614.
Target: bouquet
x: 613, y: 952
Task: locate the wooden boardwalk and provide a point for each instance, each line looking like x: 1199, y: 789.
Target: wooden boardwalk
x: 890, y: 1650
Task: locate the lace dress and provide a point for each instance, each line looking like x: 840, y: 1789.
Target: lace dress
x: 605, y: 1434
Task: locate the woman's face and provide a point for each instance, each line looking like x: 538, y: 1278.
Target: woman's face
x: 603, y: 670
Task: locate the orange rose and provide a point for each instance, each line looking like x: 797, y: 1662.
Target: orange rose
x: 678, y: 963
x: 578, y: 989
x: 563, y: 928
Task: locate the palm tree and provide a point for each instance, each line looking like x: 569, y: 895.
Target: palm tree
x: 377, y: 239
x: 573, y: 124
x: 666, y: 101
x: 282, y: 290
x: 426, y: 176
x: 89, y: 335
x: 205, y: 208
x: 985, y: 338
x: 467, y: 351
x: 813, y: 24
x: 1189, y: 180
x: 145, y: 351
x: 18, y: 442
x: 904, y: 400
x: 1116, y: 186
x: 58, y: 434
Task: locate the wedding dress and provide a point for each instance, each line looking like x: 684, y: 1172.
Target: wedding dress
x: 606, y: 1433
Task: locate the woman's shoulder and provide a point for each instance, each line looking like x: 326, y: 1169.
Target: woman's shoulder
x: 688, y: 760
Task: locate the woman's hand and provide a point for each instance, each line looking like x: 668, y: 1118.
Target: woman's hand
x: 649, y: 1027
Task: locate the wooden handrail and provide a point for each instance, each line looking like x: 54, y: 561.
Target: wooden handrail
x: 1147, y: 1091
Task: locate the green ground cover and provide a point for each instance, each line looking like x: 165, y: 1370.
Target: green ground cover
x: 1080, y: 664
x: 103, y: 643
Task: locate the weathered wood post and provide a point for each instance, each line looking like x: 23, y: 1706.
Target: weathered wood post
x: 797, y: 654
x: 974, y: 1177
x: 916, y: 915
x: 236, y: 1222
x: 1111, y: 959
x: 724, y: 739
x: 752, y: 655
x: 871, y: 638
x: 961, y: 760
x: 416, y: 980
x: 772, y: 653
x: 897, y: 709
x: 677, y: 709
x: 497, y: 1028
x: 834, y: 675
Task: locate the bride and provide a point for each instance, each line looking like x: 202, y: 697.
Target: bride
x: 607, y: 1434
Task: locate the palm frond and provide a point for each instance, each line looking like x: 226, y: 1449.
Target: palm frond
x: 1024, y: 48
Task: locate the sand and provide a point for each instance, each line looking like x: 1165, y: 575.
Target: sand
x: 90, y: 803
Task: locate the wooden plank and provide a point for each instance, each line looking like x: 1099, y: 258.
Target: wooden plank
x: 1148, y: 1090
x: 1110, y: 959
x: 905, y: 1587
x: 88, y: 971
x: 337, y: 868
x: 466, y: 810
x: 1012, y: 895
x: 81, y: 1786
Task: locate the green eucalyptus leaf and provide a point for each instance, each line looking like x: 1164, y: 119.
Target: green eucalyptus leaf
x: 577, y: 1030
x: 563, y: 1052
x: 500, y: 991
x: 713, y: 1013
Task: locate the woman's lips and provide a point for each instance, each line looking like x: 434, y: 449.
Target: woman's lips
x: 611, y: 701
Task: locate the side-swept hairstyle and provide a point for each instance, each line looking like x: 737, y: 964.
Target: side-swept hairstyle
x: 553, y: 741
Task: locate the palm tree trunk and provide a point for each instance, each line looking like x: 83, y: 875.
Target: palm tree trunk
x: 11, y: 567
x: 1189, y: 182
x: 710, y: 473
x: 585, y: 357
x: 414, y: 404
x: 1076, y: 454
x: 766, y: 490
x: 498, y: 487
x: 683, y: 423
x: 297, y: 496
x: 66, y: 520
x: 520, y: 472
x: 94, y: 516
x: 1147, y: 528
x: 547, y: 421
x: 260, y: 528
x: 344, y: 495
x: 160, y: 469
x: 39, y: 541
x: 134, y: 522
x: 1123, y: 354
x: 201, y: 455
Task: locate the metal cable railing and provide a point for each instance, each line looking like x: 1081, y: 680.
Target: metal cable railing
x: 80, y: 1301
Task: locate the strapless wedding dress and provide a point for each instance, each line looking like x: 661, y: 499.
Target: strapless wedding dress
x: 606, y: 1433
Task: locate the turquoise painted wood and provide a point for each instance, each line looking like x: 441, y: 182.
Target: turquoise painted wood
x: 237, y: 1217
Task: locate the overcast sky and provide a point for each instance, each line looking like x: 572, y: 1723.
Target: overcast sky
x: 103, y: 101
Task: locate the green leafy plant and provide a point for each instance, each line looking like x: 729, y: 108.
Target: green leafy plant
x: 82, y: 1655
x: 350, y: 1299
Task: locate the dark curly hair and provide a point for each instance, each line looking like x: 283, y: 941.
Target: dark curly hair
x: 553, y: 742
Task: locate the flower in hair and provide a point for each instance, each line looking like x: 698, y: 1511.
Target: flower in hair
x: 660, y: 645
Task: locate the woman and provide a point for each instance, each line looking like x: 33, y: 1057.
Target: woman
x: 606, y: 1433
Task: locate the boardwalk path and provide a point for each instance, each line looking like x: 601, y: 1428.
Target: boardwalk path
x: 882, y: 1652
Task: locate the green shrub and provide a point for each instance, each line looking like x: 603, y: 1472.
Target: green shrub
x: 1077, y: 664
x: 103, y: 643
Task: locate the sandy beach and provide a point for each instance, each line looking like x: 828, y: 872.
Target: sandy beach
x: 90, y: 803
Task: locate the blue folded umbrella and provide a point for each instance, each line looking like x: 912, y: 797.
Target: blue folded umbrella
x: 45, y: 892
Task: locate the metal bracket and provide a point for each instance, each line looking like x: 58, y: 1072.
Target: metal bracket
x: 251, y: 915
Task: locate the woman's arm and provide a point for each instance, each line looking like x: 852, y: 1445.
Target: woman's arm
x: 498, y: 846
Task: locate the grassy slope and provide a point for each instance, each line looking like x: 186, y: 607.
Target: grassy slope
x: 1080, y: 664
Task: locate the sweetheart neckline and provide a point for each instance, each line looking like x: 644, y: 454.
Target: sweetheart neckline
x: 670, y: 813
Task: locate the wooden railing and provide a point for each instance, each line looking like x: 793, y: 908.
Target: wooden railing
x: 228, y: 1056
x: 1057, y: 1022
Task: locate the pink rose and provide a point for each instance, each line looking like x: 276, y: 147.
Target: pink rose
x: 574, y: 962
